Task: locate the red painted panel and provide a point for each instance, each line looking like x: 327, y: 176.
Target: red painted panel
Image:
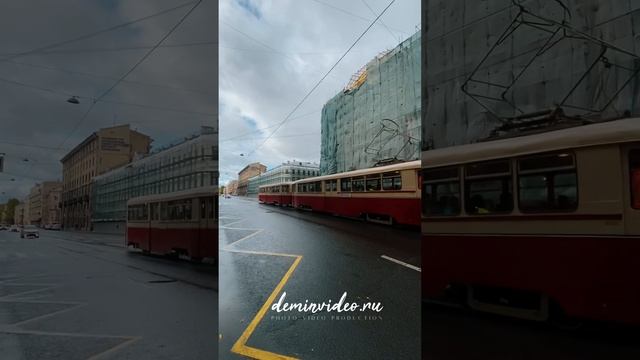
x: 590, y: 277
x: 195, y: 242
x: 403, y: 211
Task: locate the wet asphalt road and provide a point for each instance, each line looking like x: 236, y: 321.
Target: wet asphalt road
x: 260, y: 245
x: 84, y: 296
x: 452, y: 334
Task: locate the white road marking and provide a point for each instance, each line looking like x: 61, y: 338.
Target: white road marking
x: 412, y: 267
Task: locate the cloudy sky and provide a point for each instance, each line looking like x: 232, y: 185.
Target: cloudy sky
x: 170, y: 95
x: 272, y: 52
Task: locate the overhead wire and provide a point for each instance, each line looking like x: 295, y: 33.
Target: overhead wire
x: 306, y: 96
x: 135, y: 66
x: 113, y: 49
x: 95, y: 33
x: 95, y: 99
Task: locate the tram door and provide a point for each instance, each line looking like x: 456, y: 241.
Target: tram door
x: 208, y: 214
x: 631, y: 193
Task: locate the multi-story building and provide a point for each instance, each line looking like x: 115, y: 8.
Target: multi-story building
x: 193, y: 163
x: 43, y: 203
x: 100, y: 152
x: 377, y: 117
x: 247, y: 173
x: 286, y: 172
x: 18, y: 214
x: 232, y: 187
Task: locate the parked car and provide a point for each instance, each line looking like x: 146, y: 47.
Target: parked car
x: 29, y: 231
x: 46, y: 226
x: 55, y: 227
x: 14, y: 228
x: 3, y: 227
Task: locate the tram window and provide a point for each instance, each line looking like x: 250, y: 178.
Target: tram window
x: 154, y: 211
x: 187, y: 208
x: 331, y: 185
x: 373, y: 183
x: 345, y: 184
x: 547, y: 183
x: 391, y: 181
x: 441, y: 191
x: 489, y: 188
x: 634, y: 177
x: 357, y: 184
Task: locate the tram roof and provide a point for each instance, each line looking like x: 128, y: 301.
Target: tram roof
x: 386, y: 168
x: 177, y: 195
x: 610, y: 132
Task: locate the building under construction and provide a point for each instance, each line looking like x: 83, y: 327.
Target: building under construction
x: 376, y: 118
x: 505, y: 67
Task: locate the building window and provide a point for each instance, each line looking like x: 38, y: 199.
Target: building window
x: 488, y: 187
x: 547, y: 183
x: 634, y: 177
x: 441, y: 191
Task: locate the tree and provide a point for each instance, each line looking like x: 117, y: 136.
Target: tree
x: 9, y: 210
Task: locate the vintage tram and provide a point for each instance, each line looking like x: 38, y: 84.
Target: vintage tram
x: 387, y: 194
x: 182, y: 223
x: 537, y: 225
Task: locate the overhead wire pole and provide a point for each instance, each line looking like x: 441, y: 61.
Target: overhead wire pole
x: 322, y: 79
x: 123, y: 77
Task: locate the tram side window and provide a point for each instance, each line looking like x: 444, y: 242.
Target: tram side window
x: 441, y: 191
x: 154, y: 211
x: 391, y: 181
x: 488, y: 187
x: 634, y: 174
x: 373, y: 182
x: 138, y: 212
x: 331, y: 185
x: 547, y: 183
x: 357, y: 184
x: 345, y: 184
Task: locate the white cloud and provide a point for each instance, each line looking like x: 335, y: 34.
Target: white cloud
x: 267, y: 70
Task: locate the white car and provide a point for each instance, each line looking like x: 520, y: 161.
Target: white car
x: 54, y: 227
x: 14, y: 228
x: 29, y: 231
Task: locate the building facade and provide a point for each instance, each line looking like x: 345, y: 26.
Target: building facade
x: 232, y: 187
x: 249, y: 171
x: 100, y: 152
x: 565, y: 60
x: 44, y: 203
x: 377, y: 117
x: 18, y: 214
x: 188, y: 165
x: 286, y: 172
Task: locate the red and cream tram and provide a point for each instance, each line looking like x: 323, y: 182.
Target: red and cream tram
x: 182, y: 223
x: 388, y: 194
x: 528, y: 225
x: 279, y: 194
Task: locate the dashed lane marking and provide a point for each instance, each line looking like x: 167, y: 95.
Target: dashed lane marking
x: 412, y: 267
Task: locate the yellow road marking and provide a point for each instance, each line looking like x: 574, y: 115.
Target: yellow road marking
x: 240, y: 346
